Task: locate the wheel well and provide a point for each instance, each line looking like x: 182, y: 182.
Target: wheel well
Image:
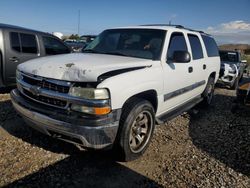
x: 149, y: 95
x: 212, y: 75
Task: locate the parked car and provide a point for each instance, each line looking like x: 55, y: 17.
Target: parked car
x: 18, y: 44
x: 75, y: 45
x: 126, y: 81
x: 232, y: 68
x: 88, y: 38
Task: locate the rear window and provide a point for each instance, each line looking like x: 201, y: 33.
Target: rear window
x: 211, y: 46
x: 195, y: 46
x: 15, y: 42
x: 229, y: 56
x: 28, y: 43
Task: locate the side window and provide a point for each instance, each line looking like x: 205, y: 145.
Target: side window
x: 211, y: 46
x: 177, y: 43
x: 195, y: 46
x: 53, y: 46
x: 28, y: 43
x: 15, y: 42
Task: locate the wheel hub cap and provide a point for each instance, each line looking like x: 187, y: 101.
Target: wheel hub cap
x: 140, y: 131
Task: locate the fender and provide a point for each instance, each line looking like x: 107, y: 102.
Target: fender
x: 123, y: 86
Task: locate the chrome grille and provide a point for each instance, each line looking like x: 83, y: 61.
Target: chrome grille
x: 56, y: 86
x: 46, y: 84
x: 47, y: 100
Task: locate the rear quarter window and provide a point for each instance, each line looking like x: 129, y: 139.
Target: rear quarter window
x: 211, y: 46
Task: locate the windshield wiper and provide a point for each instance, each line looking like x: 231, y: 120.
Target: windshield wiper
x: 115, y: 53
x: 108, y: 53
x: 91, y: 51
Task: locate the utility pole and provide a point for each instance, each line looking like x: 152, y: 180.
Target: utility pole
x: 79, y: 17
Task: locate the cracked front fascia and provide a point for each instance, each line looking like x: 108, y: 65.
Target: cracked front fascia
x: 226, y: 74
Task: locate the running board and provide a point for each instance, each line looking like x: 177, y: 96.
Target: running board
x: 178, y: 110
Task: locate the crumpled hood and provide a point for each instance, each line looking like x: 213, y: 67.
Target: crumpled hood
x: 79, y: 66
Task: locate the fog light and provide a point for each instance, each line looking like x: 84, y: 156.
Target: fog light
x: 91, y: 110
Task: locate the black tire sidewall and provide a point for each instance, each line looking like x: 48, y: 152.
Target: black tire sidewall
x: 206, y: 100
x: 125, y: 127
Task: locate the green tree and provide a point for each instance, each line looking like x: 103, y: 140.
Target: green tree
x: 74, y: 37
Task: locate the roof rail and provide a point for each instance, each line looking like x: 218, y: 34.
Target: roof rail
x: 176, y: 26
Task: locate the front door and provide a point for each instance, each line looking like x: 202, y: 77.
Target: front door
x: 178, y: 77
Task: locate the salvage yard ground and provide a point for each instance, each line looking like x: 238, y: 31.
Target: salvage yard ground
x: 208, y: 149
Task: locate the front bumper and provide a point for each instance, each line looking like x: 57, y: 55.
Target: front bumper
x: 227, y: 79
x: 94, y: 133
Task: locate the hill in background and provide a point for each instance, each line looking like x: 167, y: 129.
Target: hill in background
x: 244, y: 48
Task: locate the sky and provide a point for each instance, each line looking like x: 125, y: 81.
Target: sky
x: 227, y: 20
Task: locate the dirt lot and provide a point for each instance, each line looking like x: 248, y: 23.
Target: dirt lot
x: 209, y: 149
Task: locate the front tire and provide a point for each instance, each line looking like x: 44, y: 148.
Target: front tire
x: 136, y: 128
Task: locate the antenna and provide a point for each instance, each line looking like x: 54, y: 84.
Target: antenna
x: 79, y: 16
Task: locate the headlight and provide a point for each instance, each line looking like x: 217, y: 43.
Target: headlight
x: 89, y: 93
x: 233, y: 69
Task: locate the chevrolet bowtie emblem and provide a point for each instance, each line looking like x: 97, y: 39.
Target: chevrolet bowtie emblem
x: 35, y: 90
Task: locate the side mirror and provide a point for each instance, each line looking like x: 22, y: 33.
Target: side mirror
x: 181, y: 57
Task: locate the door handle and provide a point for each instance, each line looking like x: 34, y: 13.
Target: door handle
x: 190, y: 69
x: 14, y: 59
x: 204, y: 66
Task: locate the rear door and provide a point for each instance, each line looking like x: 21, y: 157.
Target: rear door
x: 198, y: 62
x: 19, y: 47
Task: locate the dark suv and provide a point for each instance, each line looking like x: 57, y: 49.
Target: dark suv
x: 232, y: 68
x: 18, y: 45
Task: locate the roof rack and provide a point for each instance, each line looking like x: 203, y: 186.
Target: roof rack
x: 176, y: 26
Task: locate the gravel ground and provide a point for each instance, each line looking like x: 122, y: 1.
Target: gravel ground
x: 207, y: 149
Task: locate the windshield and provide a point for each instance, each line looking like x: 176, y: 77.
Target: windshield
x: 229, y: 57
x: 140, y: 43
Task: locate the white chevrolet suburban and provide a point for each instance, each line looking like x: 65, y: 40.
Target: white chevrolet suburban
x: 126, y: 81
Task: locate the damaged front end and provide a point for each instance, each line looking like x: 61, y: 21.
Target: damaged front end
x: 78, y: 113
x: 228, y: 74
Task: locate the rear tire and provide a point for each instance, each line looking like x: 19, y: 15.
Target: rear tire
x: 136, y: 128
x: 208, y: 93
